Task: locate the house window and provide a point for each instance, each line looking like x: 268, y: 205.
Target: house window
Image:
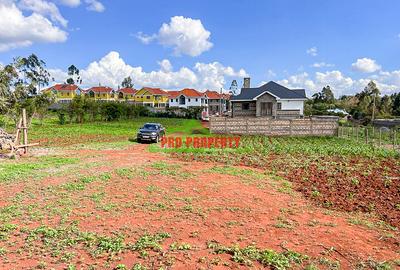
x: 279, y: 106
x: 98, y: 95
x: 182, y: 100
x: 148, y: 97
x: 189, y: 100
x: 172, y: 100
x: 197, y: 99
x: 176, y: 100
x: 245, y: 106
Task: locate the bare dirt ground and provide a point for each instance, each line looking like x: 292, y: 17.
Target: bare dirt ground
x: 67, y: 220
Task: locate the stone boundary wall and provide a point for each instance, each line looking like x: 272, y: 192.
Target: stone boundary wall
x: 273, y: 127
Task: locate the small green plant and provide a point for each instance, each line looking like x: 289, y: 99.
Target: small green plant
x: 3, y: 251
x: 138, y: 266
x: 149, y: 241
x: 180, y: 246
x: 267, y: 257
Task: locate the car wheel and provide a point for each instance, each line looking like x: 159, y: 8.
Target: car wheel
x: 139, y: 140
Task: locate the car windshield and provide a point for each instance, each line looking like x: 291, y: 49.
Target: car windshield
x: 151, y: 127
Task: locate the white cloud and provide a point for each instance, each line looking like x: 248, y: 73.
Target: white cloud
x: 322, y: 65
x: 146, y: 39
x: 312, y: 51
x: 112, y: 69
x: 94, y: 5
x: 270, y: 73
x: 70, y: 3
x: 17, y: 30
x: 366, y: 65
x: 387, y: 82
x: 44, y: 8
x: 165, y: 65
x: 185, y: 35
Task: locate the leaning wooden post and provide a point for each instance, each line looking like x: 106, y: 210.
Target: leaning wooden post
x: 366, y: 135
x: 25, y: 128
x: 394, y: 139
x: 380, y: 137
x: 357, y: 131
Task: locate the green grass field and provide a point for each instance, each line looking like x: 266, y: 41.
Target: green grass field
x: 51, y: 133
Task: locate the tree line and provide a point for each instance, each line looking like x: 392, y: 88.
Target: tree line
x: 22, y: 82
x: 365, y: 106
x: 83, y: 109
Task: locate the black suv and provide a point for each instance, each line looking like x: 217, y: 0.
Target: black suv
x: 150, y: 132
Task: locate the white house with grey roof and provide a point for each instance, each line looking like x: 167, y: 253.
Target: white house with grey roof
x: 269, y: 100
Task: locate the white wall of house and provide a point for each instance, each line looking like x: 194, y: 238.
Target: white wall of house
x: 292, y: 105
x: 189, y: 102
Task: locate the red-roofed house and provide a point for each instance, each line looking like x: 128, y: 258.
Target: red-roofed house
x: 152, y: 97
x: 126, y: 94
x: 188, y: 98
x: 64, y: 92
x: 102, y: 93
x: 218, y: 103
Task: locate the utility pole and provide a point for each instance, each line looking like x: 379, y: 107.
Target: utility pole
x: 373, y: 110
x: 220, y: 102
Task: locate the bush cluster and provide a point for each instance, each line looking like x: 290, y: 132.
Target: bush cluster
x: 82, y: 109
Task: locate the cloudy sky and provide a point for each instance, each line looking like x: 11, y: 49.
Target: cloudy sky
x: 206, y: 44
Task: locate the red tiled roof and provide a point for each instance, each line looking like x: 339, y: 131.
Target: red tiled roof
x: 226, y: 96
x: 190, y: 93
x: 213, y: 94
x: 156, y: 91
x: 186, y: 92
x: 63, y: 87
x: 127, y: 90
x: 173, y: 94
x: 100, y: 89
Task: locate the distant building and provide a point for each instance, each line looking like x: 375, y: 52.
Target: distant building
x: 269, y: 100
x: 100, y: 93
x: 218, y: 103
x: 187, y: 98
x: 64, y: 92
x: 152, y: 97
x: 125, y: 94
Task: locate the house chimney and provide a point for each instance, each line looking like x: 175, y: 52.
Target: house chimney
x: 246, y: 82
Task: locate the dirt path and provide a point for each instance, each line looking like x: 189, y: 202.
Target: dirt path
x: 196, y: 203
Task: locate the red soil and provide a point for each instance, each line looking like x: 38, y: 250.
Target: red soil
x: 223, y: 208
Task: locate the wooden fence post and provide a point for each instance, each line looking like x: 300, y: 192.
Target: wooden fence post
x: 380, y: 137
x: 366, y: 135
x: 357, y: 131
x: 25, y: 128
x: 312, y: 127
x: 394, y: 139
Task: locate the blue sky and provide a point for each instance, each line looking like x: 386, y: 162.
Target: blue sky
x: 297, y: 43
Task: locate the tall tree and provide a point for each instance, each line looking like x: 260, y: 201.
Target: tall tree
x: 20, y: 83
x: 374, y: 92
x: 127, y: 82
x: 73, y: 72
x: 32, y: 73
x: 326, y: 95
x: 396, y: 104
